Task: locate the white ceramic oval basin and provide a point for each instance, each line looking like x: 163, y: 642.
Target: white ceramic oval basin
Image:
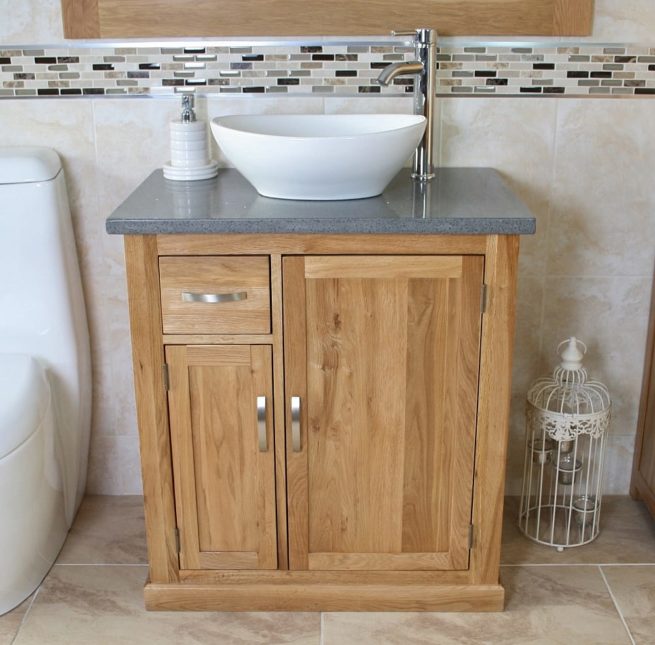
x: 318, y: 156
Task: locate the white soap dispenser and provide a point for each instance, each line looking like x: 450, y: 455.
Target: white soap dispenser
x: 189, y: 149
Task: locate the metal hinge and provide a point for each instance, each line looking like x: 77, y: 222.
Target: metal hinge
x: 167, y: 381
x: 483, y: 298
x: 177, y: 539
x: 470, y: 536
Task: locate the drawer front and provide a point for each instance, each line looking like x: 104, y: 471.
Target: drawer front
x: 215, y: 295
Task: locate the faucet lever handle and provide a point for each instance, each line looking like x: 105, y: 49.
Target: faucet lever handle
x: 404, y: 32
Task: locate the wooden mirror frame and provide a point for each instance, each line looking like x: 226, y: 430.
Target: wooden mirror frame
x: 257, y: 18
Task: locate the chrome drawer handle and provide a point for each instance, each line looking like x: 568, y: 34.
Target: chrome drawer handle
x: 188, y: 296
x: 261, y: 423
x: 295, y: 423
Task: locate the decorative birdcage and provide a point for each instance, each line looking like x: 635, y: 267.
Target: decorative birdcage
x: 567, y: 420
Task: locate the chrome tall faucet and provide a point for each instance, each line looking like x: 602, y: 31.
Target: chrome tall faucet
x: 424, y: 93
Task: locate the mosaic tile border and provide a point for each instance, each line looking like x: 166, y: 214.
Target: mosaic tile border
x: 344, y: 69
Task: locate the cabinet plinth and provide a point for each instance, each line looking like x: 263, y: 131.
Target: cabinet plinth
x: 348, y: 452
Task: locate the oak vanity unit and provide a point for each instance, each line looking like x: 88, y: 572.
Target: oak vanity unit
x: 323, y: 392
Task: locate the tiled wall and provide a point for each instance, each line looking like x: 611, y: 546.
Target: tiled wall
x: 583, y: 166
x: 540, y: 68
x: 547, y: 69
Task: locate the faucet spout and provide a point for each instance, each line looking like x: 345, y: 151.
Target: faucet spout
x: 425, y: 65
x: 399, y: 69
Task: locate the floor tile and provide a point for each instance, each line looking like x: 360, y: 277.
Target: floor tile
x: 627, y: 535
x: 107, y: 530
x: 545, y: 605
x: 103, y: 605
x: 10, y: 622
x: 634, y: 592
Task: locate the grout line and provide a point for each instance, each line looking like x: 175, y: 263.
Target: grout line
x: 321, y: 642
x: 616, y: 605
x: 581, y: 564
x: 99, y: 564
x: 626, y: 564
x: 27, y: 611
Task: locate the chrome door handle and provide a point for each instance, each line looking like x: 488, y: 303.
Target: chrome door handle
x: 295, y: 423
x: 261, y: 423
x: 188, y: 296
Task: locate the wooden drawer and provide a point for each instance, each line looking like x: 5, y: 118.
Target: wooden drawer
x: 235, y: 291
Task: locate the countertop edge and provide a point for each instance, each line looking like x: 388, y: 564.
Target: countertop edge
x: 452, y: 226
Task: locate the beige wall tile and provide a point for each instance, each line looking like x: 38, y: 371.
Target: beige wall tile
x: 132, y: 140
x: 369, y: 105
x: 618, y: 463
x: 628, y: 21
x: 528, y: 365
x: 528, y: 362
x: 515, y: 136
x: 603, y: 215
x: 114, y: 465
x: 610, y: 315
x: 30, y: 21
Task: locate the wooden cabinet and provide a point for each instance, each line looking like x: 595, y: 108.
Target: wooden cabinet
x: 348, y: 453
x: 643, y: 472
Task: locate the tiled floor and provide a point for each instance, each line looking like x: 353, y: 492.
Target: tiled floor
x: 601, y: 593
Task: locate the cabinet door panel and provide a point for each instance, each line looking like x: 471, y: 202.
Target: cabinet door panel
x: 224, y: 482
x: 384, y: 353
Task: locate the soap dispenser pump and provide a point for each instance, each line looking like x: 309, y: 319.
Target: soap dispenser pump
x: 189, y: 147
x: 188, y: 115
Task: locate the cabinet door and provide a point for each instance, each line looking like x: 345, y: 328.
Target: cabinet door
x: 382, y: 354
x: 220, y: 404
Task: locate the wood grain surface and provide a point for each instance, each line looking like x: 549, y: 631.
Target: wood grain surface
x: 215, y: 275
x: 387, y: 366
x: 386, y: 244
x: 152, y: 413
x: 384, y: 341
x: 225, y: 485
x: 353, y: 596
x: 493, y: 410
x: 153, y: 18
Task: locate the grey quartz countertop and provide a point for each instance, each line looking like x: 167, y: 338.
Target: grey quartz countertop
x: 457, y: 201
